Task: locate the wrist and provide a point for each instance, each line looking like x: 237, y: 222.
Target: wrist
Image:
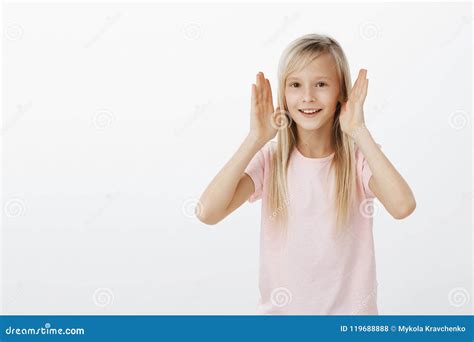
x: 255, y: 141
x: 357, y: 131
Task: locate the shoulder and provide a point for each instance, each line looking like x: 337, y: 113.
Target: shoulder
x: 268, y: 149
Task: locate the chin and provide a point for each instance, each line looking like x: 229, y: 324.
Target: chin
x: 309, y: 127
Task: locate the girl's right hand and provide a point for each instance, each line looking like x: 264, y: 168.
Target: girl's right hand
x: 262, y: 126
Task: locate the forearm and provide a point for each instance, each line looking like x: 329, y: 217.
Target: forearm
x: 390, y: 187
x: 220, y: 191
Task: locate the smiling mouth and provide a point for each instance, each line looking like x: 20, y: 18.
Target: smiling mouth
x: 309, y: 111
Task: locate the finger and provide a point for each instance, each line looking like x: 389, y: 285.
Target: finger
x: 269, y: 92
x: 360, y: 83
x: 352, y: 93
x: 265, y: 91
x: 364, y: 84
x: 359, y: 80
x: 262, y: 88
x: 254, y: 96
x: 259, y: 87
x: 364, y: 90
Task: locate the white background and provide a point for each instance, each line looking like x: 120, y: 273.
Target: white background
x: 117, y: 116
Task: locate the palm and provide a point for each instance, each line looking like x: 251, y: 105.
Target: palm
x: 262, y: 111
x: 352, y: 113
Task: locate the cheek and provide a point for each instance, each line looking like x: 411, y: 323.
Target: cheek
x: 329, y: 98
x: 291, y: 99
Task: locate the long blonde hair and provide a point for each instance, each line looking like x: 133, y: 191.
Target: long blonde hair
x: 298, y: 53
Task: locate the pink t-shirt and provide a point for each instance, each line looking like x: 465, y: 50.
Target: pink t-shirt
x: 305, y: 271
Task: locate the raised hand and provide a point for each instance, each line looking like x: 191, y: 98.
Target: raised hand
x: 262, y: 113
x: 352, y: 113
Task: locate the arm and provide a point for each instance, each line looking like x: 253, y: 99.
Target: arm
x: 215, y: 202
x: 231, y: 187
x: 386, y: 183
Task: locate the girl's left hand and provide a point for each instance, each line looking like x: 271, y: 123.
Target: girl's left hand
x: 352, y: 112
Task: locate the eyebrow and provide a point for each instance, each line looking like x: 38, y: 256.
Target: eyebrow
x: 297, y: 79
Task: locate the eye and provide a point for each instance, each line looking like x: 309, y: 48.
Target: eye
x: 294, y: 84
x: 322, y: 84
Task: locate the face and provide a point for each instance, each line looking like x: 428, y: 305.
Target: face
x: 315, y: 89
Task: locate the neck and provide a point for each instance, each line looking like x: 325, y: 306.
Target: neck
x: 315, y: 144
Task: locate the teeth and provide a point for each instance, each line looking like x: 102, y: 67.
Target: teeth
x: 309, y: 111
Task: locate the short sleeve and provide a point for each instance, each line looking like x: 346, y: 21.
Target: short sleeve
x: 366, y: 174
x: 256, y: 171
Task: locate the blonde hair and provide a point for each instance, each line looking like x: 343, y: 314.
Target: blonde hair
x: 299, y: 53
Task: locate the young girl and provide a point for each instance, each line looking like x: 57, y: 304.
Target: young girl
x: 317, y: 183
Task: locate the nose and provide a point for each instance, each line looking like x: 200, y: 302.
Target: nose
x: 309, y: 94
